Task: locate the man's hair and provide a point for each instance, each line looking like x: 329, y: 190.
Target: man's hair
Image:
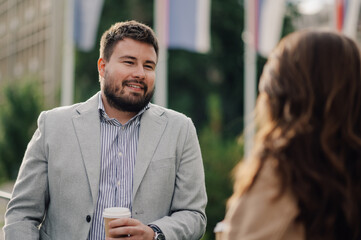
x: 129, y: 29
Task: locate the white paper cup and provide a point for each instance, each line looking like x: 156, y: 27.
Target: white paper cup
x: 114, y: 213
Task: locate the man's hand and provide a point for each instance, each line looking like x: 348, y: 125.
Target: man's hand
x: 129, y: 228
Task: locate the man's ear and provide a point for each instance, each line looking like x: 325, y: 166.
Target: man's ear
x: 101, y: 67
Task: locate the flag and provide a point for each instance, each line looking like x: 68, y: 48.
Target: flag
x: 340, y: 6
x: 266, y: 23
x: 347, y: 13
x: 185, y: 24
x: 86, y: 20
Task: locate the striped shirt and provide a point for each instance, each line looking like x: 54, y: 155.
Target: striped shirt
x: 118, y: 151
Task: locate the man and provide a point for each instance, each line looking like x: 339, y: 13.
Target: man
x: 116, y: 149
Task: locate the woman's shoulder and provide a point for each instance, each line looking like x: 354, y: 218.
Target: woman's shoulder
x: 262, y: 212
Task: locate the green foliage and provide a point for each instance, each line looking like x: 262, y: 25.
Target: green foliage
x: 18, y: 113
x: 220, y: 155
x: 192, y: 76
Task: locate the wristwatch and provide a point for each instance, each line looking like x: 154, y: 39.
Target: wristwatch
x: 158, y: 234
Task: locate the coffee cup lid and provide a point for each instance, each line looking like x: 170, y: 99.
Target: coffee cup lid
x: 116, y: 212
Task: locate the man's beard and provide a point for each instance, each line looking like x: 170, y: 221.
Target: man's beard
x: 134, y: 103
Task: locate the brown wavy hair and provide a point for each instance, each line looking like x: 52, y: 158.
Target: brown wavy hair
x: 308, y: 116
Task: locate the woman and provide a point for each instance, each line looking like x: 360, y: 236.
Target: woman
x: 303, y: 178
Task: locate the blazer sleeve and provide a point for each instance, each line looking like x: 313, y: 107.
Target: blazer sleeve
x: 187, y: 219
x: 260, y: 215
x: 27, y: 207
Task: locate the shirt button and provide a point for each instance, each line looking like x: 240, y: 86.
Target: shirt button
x: 118, y: 183
x: 88, y: 218
x: 120, y: 154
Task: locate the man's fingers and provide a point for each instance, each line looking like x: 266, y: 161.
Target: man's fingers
x: 127, y: 228
x: 120, y: 222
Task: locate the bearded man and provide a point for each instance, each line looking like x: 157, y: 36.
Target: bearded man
x: 115, y: 150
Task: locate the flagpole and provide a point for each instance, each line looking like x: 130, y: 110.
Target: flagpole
x: 250, y: 59
x: 67, y: 83
x: 161, y: 21
x: 351, y: 19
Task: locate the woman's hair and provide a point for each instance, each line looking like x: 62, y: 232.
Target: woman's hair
x: 308, y: 116
x: 129, y: 29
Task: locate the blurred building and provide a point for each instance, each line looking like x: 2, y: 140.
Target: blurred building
x: 31, y: 43
x: 318, y: 13
x: 314, y: 14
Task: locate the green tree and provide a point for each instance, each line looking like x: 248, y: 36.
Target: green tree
x: 219, y: 156
x: 18, y: 114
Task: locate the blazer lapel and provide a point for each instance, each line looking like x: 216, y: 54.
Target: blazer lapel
x: 87, y: 129
x: 152, y: 126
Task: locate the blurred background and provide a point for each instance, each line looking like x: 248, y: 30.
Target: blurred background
x: 212, y: 54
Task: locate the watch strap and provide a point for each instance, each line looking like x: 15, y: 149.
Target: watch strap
x: 158, y: 232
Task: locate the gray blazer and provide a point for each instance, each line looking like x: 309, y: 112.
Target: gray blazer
x: 57, y: 187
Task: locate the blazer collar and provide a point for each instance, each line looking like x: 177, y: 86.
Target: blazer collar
x: 87, y: 128
x: 152, y: 126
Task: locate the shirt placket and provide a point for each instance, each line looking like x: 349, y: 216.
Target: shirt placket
x: 119, y: 166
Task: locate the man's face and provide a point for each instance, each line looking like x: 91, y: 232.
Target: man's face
x: 127, y: 79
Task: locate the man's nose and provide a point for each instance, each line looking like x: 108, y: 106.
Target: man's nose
x: 139, y: 72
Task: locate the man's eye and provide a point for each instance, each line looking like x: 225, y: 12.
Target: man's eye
x: 150, y: 67
x: 128, y: 62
